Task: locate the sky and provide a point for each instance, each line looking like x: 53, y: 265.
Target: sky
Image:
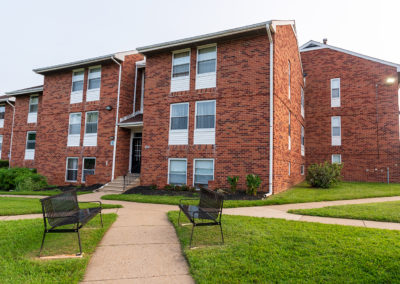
x: 47, y: 32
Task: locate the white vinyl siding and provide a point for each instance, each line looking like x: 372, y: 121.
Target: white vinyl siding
x: 179, y: 124
x: 302, y: 102
x: 336, y: 159
x: 206, y: 71
x: 33, y: 109
x: 335, y: 92
x: 71, y: 173
x: 180, y: 74
x: 302, y: 141
x: 1, y: 144
x: 177, y: 171
x: 94, y: 82
x: 74, y: 129
x: 336, y: 131
x: 30, y: 145
x: 203, y: 172
x: 204, y: 132
x: 77, y: 86
x: 2, y: 114
x: 88, y: 167
x: 289, y: 134
x: 91, y: 126
x: 289, y: 80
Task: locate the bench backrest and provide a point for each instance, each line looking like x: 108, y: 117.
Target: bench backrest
x: 211, y: 200
x: 59, y: 207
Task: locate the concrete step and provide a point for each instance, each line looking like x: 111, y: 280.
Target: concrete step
x: 117, y: 185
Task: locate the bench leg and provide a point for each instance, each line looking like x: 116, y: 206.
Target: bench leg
x: 41, y: 247
x: 191, y: 236
x: 80, y: 245
x: 222, y: 234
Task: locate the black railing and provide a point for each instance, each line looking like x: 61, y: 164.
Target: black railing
x: 128, y: 179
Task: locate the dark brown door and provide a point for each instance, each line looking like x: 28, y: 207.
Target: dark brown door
x: 136, y: 153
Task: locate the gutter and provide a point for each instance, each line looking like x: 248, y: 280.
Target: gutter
x: 116, y: 119
x: 12, y: 133
x: 271, y: 111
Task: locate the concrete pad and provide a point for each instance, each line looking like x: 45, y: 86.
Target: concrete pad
x: 261, y: 212
x: 382, y: 225
x: 132, y: 261
x: 182, y: 279
x: 135, y: 218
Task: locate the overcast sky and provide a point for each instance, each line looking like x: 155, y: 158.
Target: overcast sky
x: 45, y: 32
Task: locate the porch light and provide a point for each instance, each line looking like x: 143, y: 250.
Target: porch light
x: 390, y: 80
x: 108, y: 108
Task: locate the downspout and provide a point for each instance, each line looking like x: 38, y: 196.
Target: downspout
x: 12, y: 133
x: 271, y: 110
x: 116, y: 120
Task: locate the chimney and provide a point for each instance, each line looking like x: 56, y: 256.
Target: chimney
x: 325, y: 40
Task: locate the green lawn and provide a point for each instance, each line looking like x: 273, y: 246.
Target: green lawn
x: 21, y: 205
x: 36, y: 192
x: 381, y: 211
x: 20, y: 244
x: 298, y: 194
x: 260, y: 250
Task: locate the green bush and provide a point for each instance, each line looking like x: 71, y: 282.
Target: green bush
x: 25, y: 178
x: 253, y: 183
x: 233, y: 181
x: 4, y: 163
x: 324, y: 175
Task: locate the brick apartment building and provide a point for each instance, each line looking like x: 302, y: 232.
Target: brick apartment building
x: 196, y: 110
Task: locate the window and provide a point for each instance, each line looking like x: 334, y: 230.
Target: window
x: 177, y: 171
x: 89, y: 165
x: 336, y: 159
x: 204, y: 132
x: 94, y: 81
x: 30, y: 145
x: 1, y: 144
x: 206, y: 67
x: 302, y: 102
x: 77, y: 86
x: 289, y: 134
x: 72, y: 170
x: 33, y: 109
x: 180, y: 71
x: 203, y: 172
x: 335, y: 92
x: 289, y: 80
x: 178, y: 134
x: 336, y: 131
x: 302, y: 170
x: 74, y: 129
x: 2, y: 114
x: 302, y: 140
x: 289, y: 166
x: 90, y: 138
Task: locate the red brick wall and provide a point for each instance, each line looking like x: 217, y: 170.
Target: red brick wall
x: 6, y: 131
x: 359, y: 147
x: 242, y: 114
x: 285, y: 50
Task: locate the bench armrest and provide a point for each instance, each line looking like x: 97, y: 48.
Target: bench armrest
x: 92, y: 202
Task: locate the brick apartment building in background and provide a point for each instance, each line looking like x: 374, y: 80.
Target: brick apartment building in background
x: 196, y: 110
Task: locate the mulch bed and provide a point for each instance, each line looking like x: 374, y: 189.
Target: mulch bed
x: 147, y: 190
x: 71, y: 187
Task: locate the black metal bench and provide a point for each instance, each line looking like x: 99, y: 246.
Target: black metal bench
x: 207, y: 213
x: 63, y: 209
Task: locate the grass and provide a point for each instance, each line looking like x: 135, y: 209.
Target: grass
x: 20, y: 206
x: 298, y: 194
x: 20, y: 243
x: 38, y: 192
x: 381, y: 211
x: 260, y: 250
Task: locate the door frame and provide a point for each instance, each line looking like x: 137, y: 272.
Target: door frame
x: 131, y: 146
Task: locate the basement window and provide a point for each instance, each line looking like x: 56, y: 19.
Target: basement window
x: 203, y: 172
x: 72, y: 170
x: 89, y: 166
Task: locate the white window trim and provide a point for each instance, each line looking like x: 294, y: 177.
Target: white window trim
x: 66, y: 169
x: 302, y: 101
x: 30, y: 103
x: 195, y: 116
x: 289, y: 168
x: 97, y: 90
x: 335, y: 102
x: 1, y: 149
x: 340, y: 157
x: 26, y: 146
x: 340, y: 136
x: 83, y: 166
x: 290, y: 133
x: 302, y: 170
x: 91, y: 134
x: 209, y: 74
x: 302, y: 138
x: 289, y: 79
x: 172, y: 69
x: 194, y: 168
x: 75, y: 135
x: 72, y: 85
x: 170, y: 117
x: 177, y: 159
x: 2, y: 120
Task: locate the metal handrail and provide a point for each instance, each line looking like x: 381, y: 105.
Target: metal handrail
x: 128, y: 179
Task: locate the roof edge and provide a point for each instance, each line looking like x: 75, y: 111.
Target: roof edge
x: 25, y: 91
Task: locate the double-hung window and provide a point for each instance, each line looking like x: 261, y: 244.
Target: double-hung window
x: 2, y: 114
x: 177, y: 171
x: 335, y: 92
x: 302, y: 140
x: 90, y: 138
x: 302, y: 170
x: 89, y: 166
x: 289, y: 133
x: 302, y: 102
x: 30, y: 145
x: 336, y: 131
x: 203, y: 172
x: 206, y: 75
x: 178, y: 130
x: 180, y: 79
x: 77, y: 86
x: 71, y: 174
x: 74, y: 129
x: 289, y: 80
x: 336, y: 159
x: 33, y: 109
x: 204, y: 132
x: 94, y: 82
x: 289, y: 168
x: 1, y: 144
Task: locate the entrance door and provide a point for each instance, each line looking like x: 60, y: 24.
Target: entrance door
x: 136, y: 153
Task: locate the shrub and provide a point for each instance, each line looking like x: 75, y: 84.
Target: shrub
x: 9, y: 178
x: 233, y: 181
x: 32, y: 181
x: 4, y: 164
x: 253, y: 183
x: 324, y: 175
